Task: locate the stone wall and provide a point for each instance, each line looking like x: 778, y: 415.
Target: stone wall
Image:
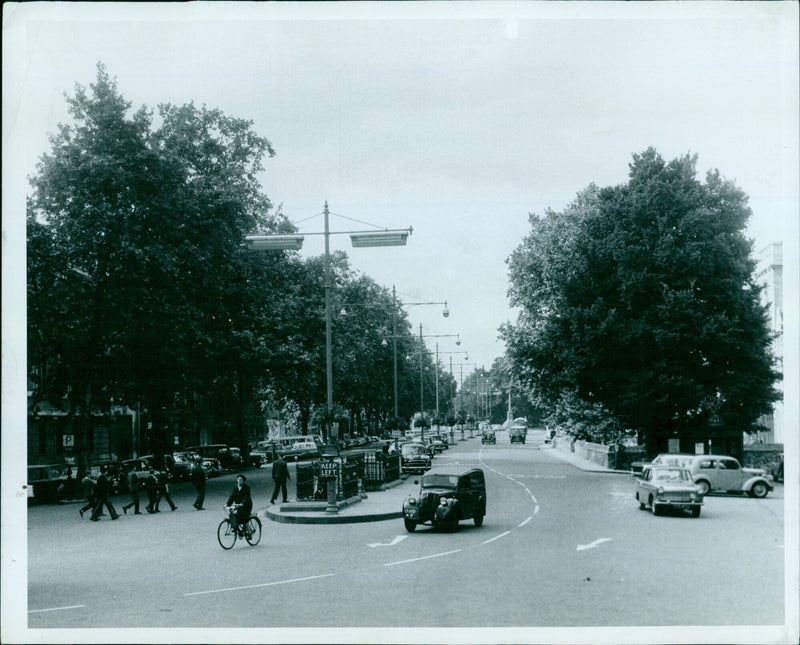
x: 756, y: 455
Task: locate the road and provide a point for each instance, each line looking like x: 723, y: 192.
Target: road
x: 560, y: 547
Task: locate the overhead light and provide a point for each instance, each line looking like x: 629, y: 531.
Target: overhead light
x: 274, y: 242
x: 381, y: 238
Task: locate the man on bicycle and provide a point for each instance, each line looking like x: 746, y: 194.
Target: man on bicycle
x: 242, y: 502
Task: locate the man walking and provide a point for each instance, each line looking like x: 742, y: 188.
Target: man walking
x: 199, y: 483
x: 103, y: 491
x: 163, y: 490
x: 151, y: 486
x: 280, y: 475
x: 133, y: 487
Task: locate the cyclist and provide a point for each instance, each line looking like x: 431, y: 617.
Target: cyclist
x: 241, y: 502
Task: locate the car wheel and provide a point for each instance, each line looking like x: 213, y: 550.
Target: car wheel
x: 642, y: 506
x: 655, y: 508
x: 703, y: 487
x: 411, y: 525
x: 759, y: 489
x: 696, y: 511
x: 478, y: 519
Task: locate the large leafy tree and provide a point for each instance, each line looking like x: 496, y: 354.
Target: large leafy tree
x: 640, y: 300
x: 138, y: 288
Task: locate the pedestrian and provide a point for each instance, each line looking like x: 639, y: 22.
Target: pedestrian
x: 134, y: 484
x: 163, y: 490
x: 104, y: 489
x: 240, y: 496
x: 280, y: 474
x: 90, y: 492
x: 199, y: 482
x: 151, y: 486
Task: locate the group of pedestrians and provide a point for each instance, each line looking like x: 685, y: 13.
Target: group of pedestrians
x: 155, y: 485
x: 98, y: 491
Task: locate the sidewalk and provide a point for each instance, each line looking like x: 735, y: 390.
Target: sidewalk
x: 584, y: 464
x: 375, y: 506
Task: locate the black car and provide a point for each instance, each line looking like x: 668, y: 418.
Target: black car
x: 444, y: 499
x: 488, y: 436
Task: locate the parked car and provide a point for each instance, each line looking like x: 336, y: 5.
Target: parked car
x: 664, y: 459
x: 212, y: 466
x: 139, y: 467
x: 219, y: 451
x: 46, y: 483
x: 668, y: 487
x: 488, y: 436
x: 720, y: 473
x: 181, y: 464
x: 301, y: 450
x: 414, y: 457
x: 444, y: 499
x: 263, y: 453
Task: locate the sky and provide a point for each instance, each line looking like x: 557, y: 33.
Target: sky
x: 456, y: 119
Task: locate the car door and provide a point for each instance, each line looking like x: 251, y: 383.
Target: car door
x: 729, y: 474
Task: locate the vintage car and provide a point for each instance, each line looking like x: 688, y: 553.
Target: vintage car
x: 138, y: 469
x: 219, y: 451
x: 180, y: 465
x: 212, y: 466
x: 414, y: 457
x: 46, y: 483
x: 668, y: 487
x: 720, y: 473
x: 488, y: 436
x: 438, y: 444
x: 444, y: 499
x: 301, y: 450
x: 517, y: 433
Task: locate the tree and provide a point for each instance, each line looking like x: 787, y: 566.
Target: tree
x: 144, y: 227
x: 641, y: 298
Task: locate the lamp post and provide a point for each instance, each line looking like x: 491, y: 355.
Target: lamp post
x: 421, y: 381
x: 359, y: 239
x: 445, y: 314
x: 466, y: 357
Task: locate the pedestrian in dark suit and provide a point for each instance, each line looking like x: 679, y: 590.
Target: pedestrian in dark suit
x: 280, y: 475
x: 163, y: 490
x: 240, y: 495
x: 104, y: 490
x: 90, y: 491
x: 151, y: 486
x: 133, y: 487
x: 199, y: 483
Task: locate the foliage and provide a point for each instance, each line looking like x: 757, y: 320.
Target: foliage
x: 641, y: 298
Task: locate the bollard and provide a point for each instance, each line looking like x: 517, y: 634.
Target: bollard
x: 332, y: 507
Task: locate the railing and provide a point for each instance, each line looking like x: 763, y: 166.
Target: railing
x: 380, y: 468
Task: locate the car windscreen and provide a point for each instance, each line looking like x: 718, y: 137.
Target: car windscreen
x: 671, y: 474
x: 436, y: 480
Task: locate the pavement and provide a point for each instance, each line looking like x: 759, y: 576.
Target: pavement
x: 376, y: 506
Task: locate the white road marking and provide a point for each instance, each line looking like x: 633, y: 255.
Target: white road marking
x: 425, y: 557
x: 524, y: 522
x: 265, y: 584
x: 496, y: 537
x: 396, y: 540
x: 592, y: 545
x: 35, y: 611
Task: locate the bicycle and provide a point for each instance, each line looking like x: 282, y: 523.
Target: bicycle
x: 250, y: 530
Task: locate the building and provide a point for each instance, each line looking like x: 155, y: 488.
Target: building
x: 769, y: 273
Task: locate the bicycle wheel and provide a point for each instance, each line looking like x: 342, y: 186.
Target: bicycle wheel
x: 226, y: 535
x: 252, y: 531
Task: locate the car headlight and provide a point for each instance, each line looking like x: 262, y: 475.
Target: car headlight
x: 443, y: 502
x: 411, y: 501
x: 660, y: 490
x: 693, y: 496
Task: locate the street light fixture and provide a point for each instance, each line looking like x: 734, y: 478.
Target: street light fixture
x: 386, y: 237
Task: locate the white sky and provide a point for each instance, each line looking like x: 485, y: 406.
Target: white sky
x: 455, y: 118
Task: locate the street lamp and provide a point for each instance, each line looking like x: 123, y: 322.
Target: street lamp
x: 421, y: 383
x: 359, y: 239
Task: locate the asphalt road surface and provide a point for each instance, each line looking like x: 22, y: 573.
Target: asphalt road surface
x: 559, y: 547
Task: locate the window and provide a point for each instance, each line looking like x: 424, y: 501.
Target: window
x: 706, y: 464
x: 729, y: 464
